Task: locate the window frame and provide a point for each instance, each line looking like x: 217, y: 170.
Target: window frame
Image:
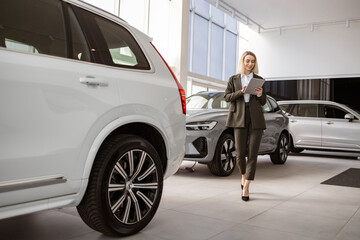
x: 98, y: 44
x: 226, y: 28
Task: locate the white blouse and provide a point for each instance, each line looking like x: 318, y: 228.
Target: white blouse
x: 245, y: 79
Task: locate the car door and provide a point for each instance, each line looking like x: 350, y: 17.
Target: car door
x: 50, y: 98
x: 304, y: 125
x: 338, y: 132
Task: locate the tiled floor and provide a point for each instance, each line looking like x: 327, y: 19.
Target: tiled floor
x: 287, y: 202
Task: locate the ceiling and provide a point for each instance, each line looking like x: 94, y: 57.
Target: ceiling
x: 269, y: 14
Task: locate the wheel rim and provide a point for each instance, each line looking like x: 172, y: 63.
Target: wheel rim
x: 228, y: 155
x: 283, y: 148
x: 133, y: 186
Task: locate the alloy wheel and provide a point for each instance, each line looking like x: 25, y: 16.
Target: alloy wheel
x: 228, y: 155
x: 133, y: 186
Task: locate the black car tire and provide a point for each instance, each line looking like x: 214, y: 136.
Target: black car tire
x: 124, y: 188
x: 281, y: 153
x: 224, y: 161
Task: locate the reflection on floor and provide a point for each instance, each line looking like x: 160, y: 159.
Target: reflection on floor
x: 286, y: 202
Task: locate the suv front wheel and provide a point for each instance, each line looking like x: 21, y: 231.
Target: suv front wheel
x: 282, y: 150
x: 124, y: 188
x: 224, y: 161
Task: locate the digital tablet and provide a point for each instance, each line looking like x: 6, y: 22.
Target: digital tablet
x: 254, y: 83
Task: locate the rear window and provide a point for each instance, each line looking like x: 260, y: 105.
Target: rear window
x: 123, y: 48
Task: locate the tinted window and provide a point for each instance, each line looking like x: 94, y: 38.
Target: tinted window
x: 273, y: 104
x: 285, y: 107
x: 33, y: 26
x: 333, y: 112
x: 267, y: 107
x: 305, y: 110
x: 80, y: 50
x: 211, y: 101
x: 121, y: 45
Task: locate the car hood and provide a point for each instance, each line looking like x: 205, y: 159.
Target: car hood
x: 206, y: 114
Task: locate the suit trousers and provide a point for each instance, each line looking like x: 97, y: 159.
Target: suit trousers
x: 247, y: 143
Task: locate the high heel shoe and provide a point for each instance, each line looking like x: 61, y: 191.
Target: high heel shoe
x: 242, y: 187
x: 245, y: 198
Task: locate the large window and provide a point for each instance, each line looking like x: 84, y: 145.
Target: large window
x: 213, y: 37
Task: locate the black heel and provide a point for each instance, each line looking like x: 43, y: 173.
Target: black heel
x: 245, y: 198
x: 242, y: 187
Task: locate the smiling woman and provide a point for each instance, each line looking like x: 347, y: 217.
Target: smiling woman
x: 209, y: 141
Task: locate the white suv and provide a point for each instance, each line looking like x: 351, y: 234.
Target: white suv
x: 91, y: 115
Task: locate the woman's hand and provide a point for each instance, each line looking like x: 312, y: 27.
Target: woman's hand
x: 258, y: 91
x: 243, y: 89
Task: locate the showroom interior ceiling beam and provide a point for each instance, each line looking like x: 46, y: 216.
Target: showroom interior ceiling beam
x: 278, y: 15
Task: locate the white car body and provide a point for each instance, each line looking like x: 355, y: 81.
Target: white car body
x: 56, y: 113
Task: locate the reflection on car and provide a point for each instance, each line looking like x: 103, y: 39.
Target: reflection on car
x: 322, y: 125
x: 209, y: 141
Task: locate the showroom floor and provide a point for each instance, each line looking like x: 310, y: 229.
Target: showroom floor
x: 287, y: 202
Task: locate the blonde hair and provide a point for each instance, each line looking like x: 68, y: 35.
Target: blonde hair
x: 241, y: 66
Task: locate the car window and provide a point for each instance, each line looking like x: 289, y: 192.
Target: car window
x: 123, y: 48
x: 38, y: 27
x: 218, y: 102
x: 274, y: 104
x: 305, y: 110
x: 334, y: 112
x: 80, y: 49
x: 204, y: 101
x: 267, y: 107
x: 196, y: 102
x: 285, y: 107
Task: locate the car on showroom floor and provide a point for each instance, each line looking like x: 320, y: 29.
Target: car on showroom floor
x: 209, y: 141
x: 322, y: 125
x: 91, y: 115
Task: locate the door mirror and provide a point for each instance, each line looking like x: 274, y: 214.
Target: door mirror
x: 349, y: 116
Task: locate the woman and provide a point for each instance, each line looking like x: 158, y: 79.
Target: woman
x: 246, y: 117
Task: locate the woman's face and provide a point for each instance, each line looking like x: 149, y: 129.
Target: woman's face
x: 249, y: 63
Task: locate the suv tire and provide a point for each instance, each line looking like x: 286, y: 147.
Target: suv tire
x: 124, y: 188
x: 282, y: 150
x: 224, y: 161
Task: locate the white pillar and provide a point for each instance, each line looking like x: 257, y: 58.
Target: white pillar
x: 178, y: 39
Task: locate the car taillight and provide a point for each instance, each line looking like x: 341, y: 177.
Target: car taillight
x: 181, y: 90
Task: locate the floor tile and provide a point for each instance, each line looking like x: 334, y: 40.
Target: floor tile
x: 246, y: 232
x: 300, y: 224
x: 286, y: 202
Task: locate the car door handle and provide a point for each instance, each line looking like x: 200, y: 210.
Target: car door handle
x: 93, y: 81
x: 293, y: 121
x: 329, y: 123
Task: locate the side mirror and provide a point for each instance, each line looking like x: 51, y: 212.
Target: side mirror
x: 349, y: 116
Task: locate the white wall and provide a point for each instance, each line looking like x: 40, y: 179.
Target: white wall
x: 330, y: 51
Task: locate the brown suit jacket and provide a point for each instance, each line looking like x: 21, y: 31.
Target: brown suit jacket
x: 236, y: 117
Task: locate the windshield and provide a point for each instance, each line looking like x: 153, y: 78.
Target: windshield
x: 203, y: 101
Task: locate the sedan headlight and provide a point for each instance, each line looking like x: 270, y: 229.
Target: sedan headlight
x: 203, y: 125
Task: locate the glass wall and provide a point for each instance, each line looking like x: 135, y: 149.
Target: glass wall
x: 213, y: 37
